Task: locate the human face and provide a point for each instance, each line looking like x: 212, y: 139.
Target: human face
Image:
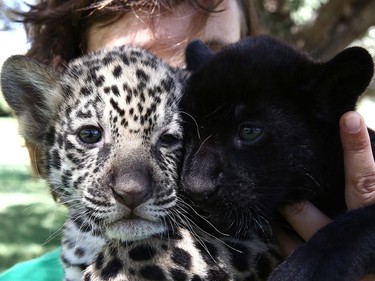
x: 168, y: 34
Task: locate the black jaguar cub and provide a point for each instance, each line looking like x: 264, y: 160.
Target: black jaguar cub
x: 263, y: 132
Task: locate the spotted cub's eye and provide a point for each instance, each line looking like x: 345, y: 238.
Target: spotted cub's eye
x: 90, y: 134
x: 250, y: 132
x: 167, y: 140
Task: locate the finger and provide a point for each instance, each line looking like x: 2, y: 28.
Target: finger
x: 305, y: 218
x: 358, y: 161
x: 287, y: 241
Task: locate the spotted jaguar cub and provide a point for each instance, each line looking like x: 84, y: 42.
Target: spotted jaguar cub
x: 110, y: 135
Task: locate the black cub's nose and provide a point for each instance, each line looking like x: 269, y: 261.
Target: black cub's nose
x: 201, y: 173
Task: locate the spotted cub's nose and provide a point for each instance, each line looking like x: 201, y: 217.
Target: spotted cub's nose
x: 132, y: 188
x: 131, y: 199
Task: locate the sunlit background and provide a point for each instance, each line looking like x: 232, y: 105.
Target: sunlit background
x: 30, y: 221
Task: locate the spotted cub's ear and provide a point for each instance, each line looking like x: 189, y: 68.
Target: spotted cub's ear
x: 197, y: 54
x: 32, y: 91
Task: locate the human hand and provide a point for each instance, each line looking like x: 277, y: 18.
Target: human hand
x: 339, y: 251
x: 305, y: 219
x: 359, y: 167
x: 358, y: 164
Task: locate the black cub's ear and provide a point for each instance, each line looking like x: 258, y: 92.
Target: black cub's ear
x: 197, y: 54
x: 341, y: 81
x: 350, y: 71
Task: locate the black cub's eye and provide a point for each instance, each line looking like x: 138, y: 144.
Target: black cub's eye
x: 90, y: 134
x: 249, y: 132
x: 168, y: 140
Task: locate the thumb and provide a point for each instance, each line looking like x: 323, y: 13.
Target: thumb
x: 358, y: 161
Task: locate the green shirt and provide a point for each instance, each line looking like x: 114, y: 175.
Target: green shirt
x: 44, y: 268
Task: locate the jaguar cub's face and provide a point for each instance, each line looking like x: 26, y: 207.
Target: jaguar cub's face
x: 110, y: 135
x: 264, y: 128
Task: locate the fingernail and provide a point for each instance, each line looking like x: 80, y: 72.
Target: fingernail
x: 352, y: 123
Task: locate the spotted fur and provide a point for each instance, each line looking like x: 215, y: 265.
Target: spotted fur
x: 183, y: 256
x: 110, y: 137
x: 109, y: 131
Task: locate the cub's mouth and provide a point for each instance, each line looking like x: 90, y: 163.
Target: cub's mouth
x: 133, y: 228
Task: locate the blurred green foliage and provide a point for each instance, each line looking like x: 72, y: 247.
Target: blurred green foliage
x: 31, y: 221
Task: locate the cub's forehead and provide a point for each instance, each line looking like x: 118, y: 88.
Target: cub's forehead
x: 130, y: 83
x: 123, y: 71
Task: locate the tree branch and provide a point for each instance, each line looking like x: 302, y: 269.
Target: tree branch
x: 339, y: 22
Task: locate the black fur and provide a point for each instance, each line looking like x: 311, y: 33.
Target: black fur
x: 263, y: 132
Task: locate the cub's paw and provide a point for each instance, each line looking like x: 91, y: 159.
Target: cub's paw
x: 301, y: 266
x: 317, y: 261
x: 341, y: 251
